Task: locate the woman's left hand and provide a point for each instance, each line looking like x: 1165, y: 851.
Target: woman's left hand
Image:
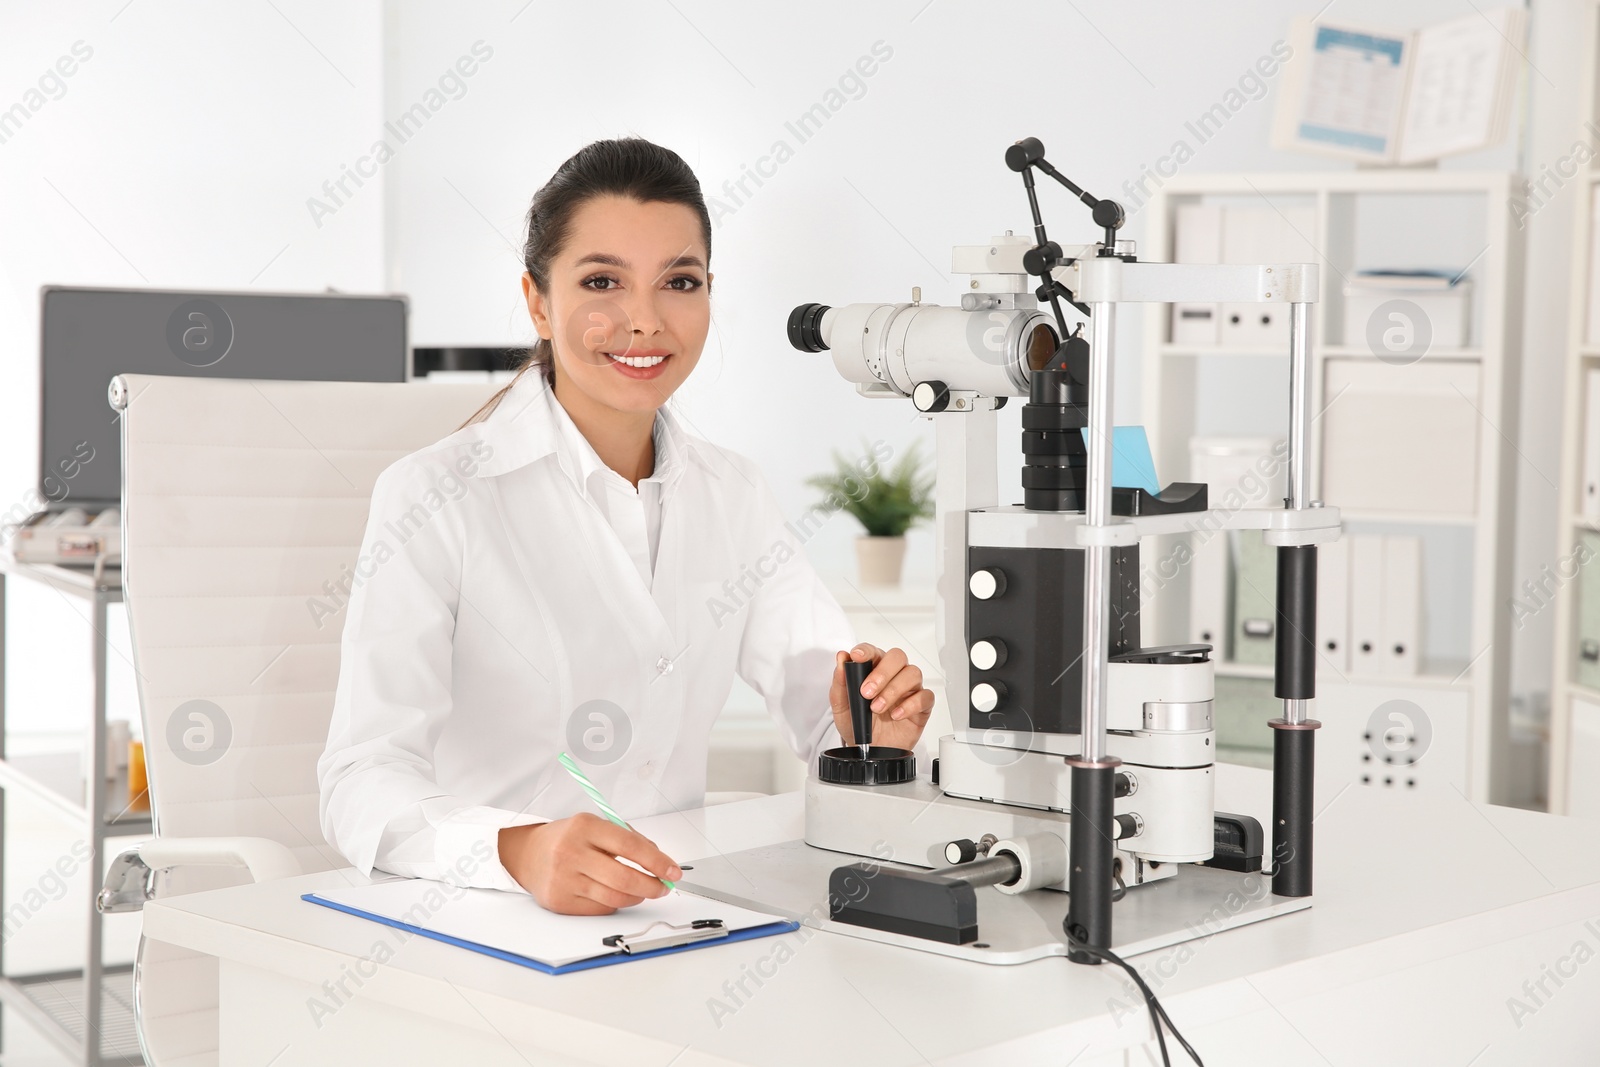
x: 900, y: 705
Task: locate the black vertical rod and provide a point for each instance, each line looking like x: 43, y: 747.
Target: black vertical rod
x: 1294, y: 737
x: 1293, y: 754
x: 1295, y: 651
x: 1089, y: 879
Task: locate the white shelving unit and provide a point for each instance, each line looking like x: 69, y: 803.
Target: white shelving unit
x: 1574, y: 707
x: 1462, y: 689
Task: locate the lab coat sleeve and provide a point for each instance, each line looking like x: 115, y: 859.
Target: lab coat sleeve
x: 380, y: 805
x: 793, y: 630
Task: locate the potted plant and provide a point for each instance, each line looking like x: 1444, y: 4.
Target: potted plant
x: 886, y: 503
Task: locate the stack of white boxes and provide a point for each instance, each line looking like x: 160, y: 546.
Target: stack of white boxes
x: 1401, y: 438
x: 1245, y: 233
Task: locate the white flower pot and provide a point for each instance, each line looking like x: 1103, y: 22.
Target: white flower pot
x: 880, y: 559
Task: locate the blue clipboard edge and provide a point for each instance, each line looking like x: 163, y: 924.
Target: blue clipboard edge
x: 769, y: 929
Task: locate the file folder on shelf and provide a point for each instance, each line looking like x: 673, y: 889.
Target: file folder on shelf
x: 1591, y: 445
x: 1587, y: 661
x: 1402, y: 596
x: 1255, y: 606
x: 515, y: 928
x: 1366, y: 603
x: 1333, y: 605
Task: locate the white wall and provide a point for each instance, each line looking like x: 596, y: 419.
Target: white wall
x: 192, y: 140
x: 179, y: 154
x: 865, y: 209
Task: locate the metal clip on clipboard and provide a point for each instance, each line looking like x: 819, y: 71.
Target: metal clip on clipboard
x: 683, y: 934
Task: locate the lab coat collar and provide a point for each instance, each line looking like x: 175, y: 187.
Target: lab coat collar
x: 579, y: 459
x: 522, y: 428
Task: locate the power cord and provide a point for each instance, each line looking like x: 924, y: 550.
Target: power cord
x: 1158, y: 1014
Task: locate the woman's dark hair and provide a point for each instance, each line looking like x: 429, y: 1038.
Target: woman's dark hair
x: 626, y: 166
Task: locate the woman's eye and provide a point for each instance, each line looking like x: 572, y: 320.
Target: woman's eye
x: 693, y: 283
x: 591, y: 283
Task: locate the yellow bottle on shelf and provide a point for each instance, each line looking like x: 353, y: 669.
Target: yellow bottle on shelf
x: 138, y: 782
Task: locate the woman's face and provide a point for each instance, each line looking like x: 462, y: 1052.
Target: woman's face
x: 629, y: 301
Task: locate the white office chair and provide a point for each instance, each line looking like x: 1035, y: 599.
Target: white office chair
x: 244, y: 503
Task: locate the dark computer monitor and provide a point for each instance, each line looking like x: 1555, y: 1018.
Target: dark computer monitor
x: 88, y: 336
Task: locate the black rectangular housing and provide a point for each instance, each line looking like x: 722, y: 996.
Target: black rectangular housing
x: 1039, y: 617
x: 915, y: 903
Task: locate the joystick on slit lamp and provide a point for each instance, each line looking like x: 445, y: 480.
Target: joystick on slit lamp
x: 1084, y: 758
x: 864, y: 763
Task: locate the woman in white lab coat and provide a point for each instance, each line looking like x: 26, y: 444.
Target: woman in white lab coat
x: 573, y: 570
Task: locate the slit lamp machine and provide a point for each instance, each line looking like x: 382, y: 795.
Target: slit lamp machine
x: 1086, y: 763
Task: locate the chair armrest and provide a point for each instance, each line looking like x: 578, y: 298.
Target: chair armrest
x: 130, y: 880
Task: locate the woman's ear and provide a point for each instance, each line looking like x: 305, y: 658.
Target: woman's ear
x: 537, y: 309
x: 709, y: 276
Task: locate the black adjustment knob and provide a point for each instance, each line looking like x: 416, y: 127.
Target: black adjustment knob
x: 930, y: 396
x: 1108, y: 215
x: 1024, y: 154
x: 876, y: 765
x: 1041, y: 260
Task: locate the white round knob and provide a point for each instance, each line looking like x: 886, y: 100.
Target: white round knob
x: 986, y: 695
x: 987, y: 654
x: 987, y: 583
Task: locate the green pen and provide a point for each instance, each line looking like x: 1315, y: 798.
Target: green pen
x: 599, y: 801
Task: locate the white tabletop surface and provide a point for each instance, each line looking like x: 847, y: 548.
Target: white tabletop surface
x: 1430, y: 914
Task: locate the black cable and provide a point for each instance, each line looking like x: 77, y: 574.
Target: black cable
x: 1158, y: 1014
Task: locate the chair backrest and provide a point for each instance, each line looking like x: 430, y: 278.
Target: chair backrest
x: 244, y: 504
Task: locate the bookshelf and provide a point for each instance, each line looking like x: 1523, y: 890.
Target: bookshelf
x: 1575, y: 708
x: 1356, y: 217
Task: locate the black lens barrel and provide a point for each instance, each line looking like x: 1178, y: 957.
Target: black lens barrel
x: 1055, y: 459
x: 805, y: 327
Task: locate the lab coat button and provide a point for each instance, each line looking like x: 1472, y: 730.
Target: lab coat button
x: 663, y: 665
x: 647, y: 769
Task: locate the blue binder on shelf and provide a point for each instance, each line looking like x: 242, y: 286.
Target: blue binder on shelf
x: 513, y: 927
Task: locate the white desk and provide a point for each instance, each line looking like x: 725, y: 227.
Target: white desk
x: 1431, y: 914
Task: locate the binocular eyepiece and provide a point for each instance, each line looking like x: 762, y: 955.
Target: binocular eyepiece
x: 805, y: 332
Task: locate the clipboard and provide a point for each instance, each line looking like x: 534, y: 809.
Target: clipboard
x: 513, y: 927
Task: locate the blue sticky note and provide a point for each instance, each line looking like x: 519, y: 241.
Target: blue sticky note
x: 1132, y: 465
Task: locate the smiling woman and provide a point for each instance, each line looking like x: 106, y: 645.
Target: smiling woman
x: 616, y: 269
x: 565, y: 601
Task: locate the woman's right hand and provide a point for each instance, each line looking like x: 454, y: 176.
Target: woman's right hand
x: 573, y: 865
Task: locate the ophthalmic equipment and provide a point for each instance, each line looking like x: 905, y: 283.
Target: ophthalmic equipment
x: 1086, y: 762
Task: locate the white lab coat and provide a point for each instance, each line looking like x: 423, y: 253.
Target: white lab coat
x: 498, y: 619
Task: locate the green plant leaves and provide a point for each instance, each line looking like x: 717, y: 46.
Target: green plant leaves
x: 886, y: 503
